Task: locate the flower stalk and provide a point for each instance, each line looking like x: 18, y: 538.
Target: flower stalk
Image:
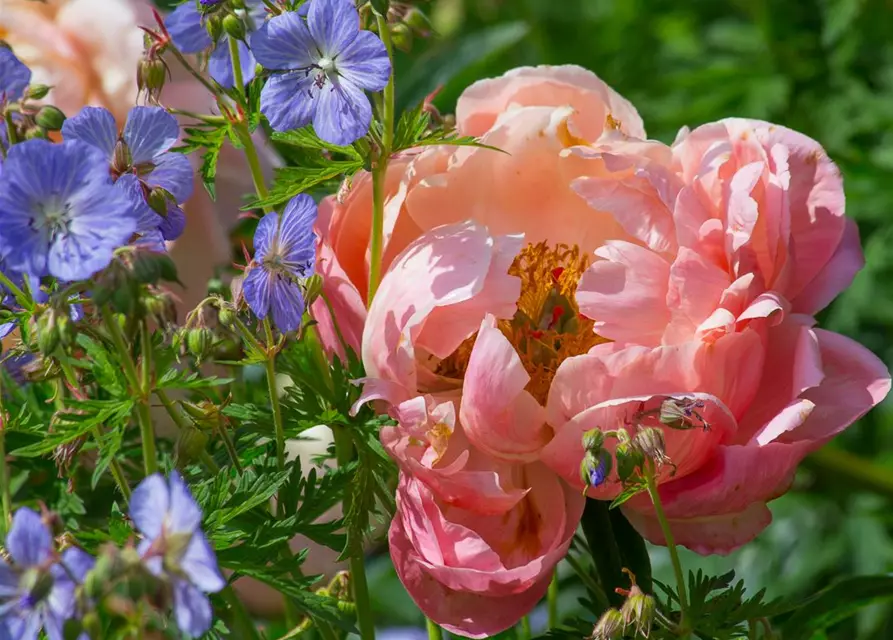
x: 651, y: 483
x: 380, y: 170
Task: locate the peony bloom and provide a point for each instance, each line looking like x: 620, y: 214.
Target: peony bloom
x: 581, y: 281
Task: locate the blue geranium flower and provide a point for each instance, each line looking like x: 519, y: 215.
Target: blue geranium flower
x: 14, y: 76
x: 283, y: 258
x: 327, y: 63
x: 187, y: 29
x: 141, y: 161
x: 61, y: 213
x: 38, y: 590
x: 174, y: 548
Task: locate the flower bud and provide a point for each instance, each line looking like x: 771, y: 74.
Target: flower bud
x: 160, y: 307
x: 50, y: 118
x: 401, y: 37
x: 158, y: 200
x: 151, y: 75
x: 121, y: 158
x: 191, y: 442
x: 416, y: 20
x: 150, y: 267
x: 629, y: 459
x: 48, y: 338
x: 234, y: 26
x: 199, y: 342
x: 312, y: 289
x: 609, y: 626
x: 595, y: 468
x: 638, y: 611
x: 106, y: 570
x: 214, y: 27
x: 650, y: 441
x: 593, y: 440
x: 37, y: 92
x: 226, y: 315
x: 35, y: 133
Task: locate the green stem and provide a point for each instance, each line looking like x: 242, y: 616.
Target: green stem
x: 195, y: 74
x: 114, y: 465
x: 586, y: 579
x: 202, y: 117
x: 552, y: 600
x: 237, y: 66
x: 379, y: 172
x: 278, y: 426
x: 359, y: 585
x: 147, y: 432
x: 434, y: 631
x: 5, y: 493
x: 524, y: 632
x: 852, y: 470
x: 243, y: 624
x: 671, y: 546
x: 17, y: 293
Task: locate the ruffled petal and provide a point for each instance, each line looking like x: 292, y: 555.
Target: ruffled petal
x: 93, y: 125
x: 283, y: 42
x: 149, y: 132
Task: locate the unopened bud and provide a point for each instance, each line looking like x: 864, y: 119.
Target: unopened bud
x: 638, y: 611
x: 37, y: 92
x: 595, y: 468
x: 48, y: 338
x: 121, y: 158
x: 650, y: 441
x: 609, y: 626
x: 593, y: 440
x: 50, y: 118
x: 401, y: 37
x: 158, y: 200
x: 151, y: 74
x: 629, y: 459
x: 191, y: 442
x: 226, y: 315
x: 106, y: 570
x: 234, y: 26
x: 159, y: 305
x: 416, y: 20
x: 214, y: 27
x: 199, y: 342
x: 35, y: 133
x: 680, y: 413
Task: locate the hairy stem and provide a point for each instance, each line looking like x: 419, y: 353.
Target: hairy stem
x: 651, y: 482
x: 5, y: 493
x: 359, y: 585
x: 379, y: 172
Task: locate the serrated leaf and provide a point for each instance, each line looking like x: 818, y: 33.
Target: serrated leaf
x: 109, y: 446
x: 306, y: 138
x: 210, y: 138
x: 291, y: 181
x: 72, y: 426
x: 175, y: 379
x: 628, y: 492
x: 107, y: 374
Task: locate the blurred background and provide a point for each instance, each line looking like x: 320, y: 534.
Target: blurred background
x: 823, y: 67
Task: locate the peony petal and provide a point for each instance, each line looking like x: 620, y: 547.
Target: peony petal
x: 837, y: 274
x: 499, y: 416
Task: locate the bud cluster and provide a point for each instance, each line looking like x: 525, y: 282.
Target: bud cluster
x: 639, y: 439
x: 636, y: 614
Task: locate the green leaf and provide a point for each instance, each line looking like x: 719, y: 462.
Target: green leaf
x: 71, y: 426
x: 597, y: 529
x: 836, y: 603
x: 306, y: 138
x: 210, y: 138
x: 291, y: 181
x: 630, y: 490
x: 109, y: 447
x: 362, y: 503
x: 176, y: 379
x: 108, y: 374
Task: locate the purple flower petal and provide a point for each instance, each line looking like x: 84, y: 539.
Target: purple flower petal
x: 296, y: 237
x: 149, y: 505
x: 284, y: 42
x: 256, y: 289
x: 173, y: 172
x: 287, y: 102
x: 146, y: 218
x: 151, y: 241
x: 192, y: 609
x: 9, y: 581
x: 93, y: 125
x: 264, y: 234
x: 78, y: 562
x: 220, y: 64
x: 199, y: 564
x: 185, y: 516
x: 53, y: 625
x: 365, y: 62
x: 333, y: 25
x: 23, y: 626
x: 186, y: 29
x: 14, y: 76
x: 149, y: 131
x: 343, y: 114
x: 173, y: 224
x: 29, y: 541
x: 287, y: 302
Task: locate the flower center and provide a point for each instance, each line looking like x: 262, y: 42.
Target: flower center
x: 547, y: 328
x: 325, y: 71
x: 53, y: 216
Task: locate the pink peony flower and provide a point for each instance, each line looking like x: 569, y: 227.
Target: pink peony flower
x: 581, y: 281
